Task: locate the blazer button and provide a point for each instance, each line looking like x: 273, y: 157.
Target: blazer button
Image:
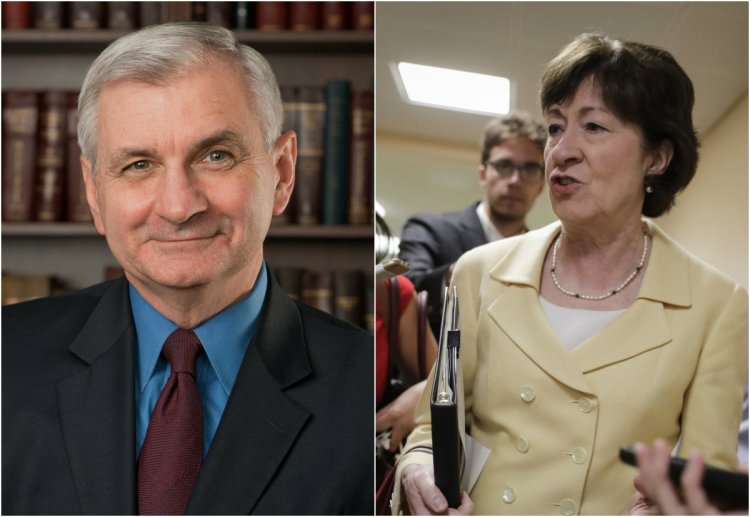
x: 578, y: 455
x: 568, y: 507
x: 509, y: 495
x: 522, y: 444
x: 527, y: 394
x: 585, y: 405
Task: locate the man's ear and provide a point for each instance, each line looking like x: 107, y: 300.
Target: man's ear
x: 285, y: 158
x: 482, y: 175
x: 92, y: 194
x: 660, y: 158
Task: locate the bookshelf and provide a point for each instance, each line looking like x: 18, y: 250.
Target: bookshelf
x: 74, y: 253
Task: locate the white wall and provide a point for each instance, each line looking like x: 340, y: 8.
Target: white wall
x: 710, y: 218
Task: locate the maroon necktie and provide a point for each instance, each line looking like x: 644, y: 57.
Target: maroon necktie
x: 172, y: 451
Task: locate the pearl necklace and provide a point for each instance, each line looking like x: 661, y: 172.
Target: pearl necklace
x: 614, y: 291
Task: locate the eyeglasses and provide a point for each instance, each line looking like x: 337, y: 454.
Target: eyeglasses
x: 530, y: 172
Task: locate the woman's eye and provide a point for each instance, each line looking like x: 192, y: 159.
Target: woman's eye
x: 554, y: 129
x: 594, y: 127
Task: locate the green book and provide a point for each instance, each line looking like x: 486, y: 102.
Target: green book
x: 336, y: 151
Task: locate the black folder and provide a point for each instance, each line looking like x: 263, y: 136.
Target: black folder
x: 447, y: 406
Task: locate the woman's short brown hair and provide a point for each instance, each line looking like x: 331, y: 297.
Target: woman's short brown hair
x: 641, y: 84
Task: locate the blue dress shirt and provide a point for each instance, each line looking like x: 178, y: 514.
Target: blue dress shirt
x: 225, y: 338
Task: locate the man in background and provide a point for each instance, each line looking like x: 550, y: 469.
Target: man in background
x: 193, y: 384
x: 511, y: 174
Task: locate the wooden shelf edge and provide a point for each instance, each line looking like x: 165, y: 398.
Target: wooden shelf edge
x: 291, y: 231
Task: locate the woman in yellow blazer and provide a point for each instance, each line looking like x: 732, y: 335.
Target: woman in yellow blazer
x: 596, y: 331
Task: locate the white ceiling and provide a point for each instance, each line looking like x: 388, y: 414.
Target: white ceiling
x: 516, y: 39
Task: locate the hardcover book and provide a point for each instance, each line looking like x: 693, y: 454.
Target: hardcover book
x: 48, y: 15
x: 86, y: 15
x: 336, y: 155
x: 20, y: 121
x: 76, y: 206
x: 359, y: 206
x: 317, y: 290
x: 51, y: 156
x: 122, y: 15
x: 334, y: 16
x: 271, y: 16
x: 363, y: 15
x: 347, y: 289
x: 304, y: 16
x: 310, y: 108
x: 16, y: 15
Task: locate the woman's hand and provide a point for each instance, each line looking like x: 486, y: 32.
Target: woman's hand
x: 399, y: 415
x: 425, y: 498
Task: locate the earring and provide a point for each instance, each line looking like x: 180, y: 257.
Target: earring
x: 649, y: 189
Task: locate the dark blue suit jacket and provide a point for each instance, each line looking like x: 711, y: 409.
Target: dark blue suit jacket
x: 295, y: 437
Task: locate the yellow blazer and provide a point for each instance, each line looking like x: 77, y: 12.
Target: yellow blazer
x: 672, y: 366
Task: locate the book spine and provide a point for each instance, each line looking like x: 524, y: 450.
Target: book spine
x: 150, y: 13
x: 20, y: 121
x: 336, y: 155
x: 304, y: 16
x: 86, y: 15
x: 51, y: 156
x: 219, y: 13
x: 311, y: 109
x: 176, y: 12
x: 199, y: 11
x: 21, y: 288
x: 334, y: 16
x: 363, y: 16
x: 48, y: 15
x: 244, y: 15
x: 359, y: 206
x: 347, y: 288
x: 76, y: 206
x: 16, y: 15
x: 271, y: 16
x: 317, y: 290
x: 122, y: 15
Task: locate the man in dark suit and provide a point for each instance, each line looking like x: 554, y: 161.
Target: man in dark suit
x: 255, y: 403
x: 511, y: 173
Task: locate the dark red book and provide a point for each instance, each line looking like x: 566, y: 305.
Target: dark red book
x: 16, y: 15
x: 48, y: 15
x: 76, y: 206
x: 122, y: 15
x: 363, y: 15
x: 51, y: 156
x: 311, y: 110
x: 219, y: 13
x: 334, y: 16
x: 271, y: 16
x: 176, y: 12
x: 20, y: 122
x: 150, y: 13
x: 86, y: 15
x: 359, y: 205
x: 200, y: 11
x: 317, y: 290
x: 304, y: 16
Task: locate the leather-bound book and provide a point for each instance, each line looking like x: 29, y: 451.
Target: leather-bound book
x: 289, y: 100
x: 272, y: 16
x: 150, y: 13
x: 334, y: 16
x: 363, y: 15
x: 244, y: 15
x: 219, y: 13
x: 176, y: 12
x: 290, y: 279
x: 359, y: 205
x: 336, y: 154
x: 51, y: 156
x: 76, y: 206
x: 16, y: 15
x: 200, y: 11
x: 317, y: 290
x: 304, y: 16
x: 311, y: 108
x: 20, y: 122
x: 122, y: 15
x: 86, y: 15
x: 347, y: 296
x: 48, y: 15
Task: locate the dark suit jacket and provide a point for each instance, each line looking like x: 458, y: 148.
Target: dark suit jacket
x: 430, y: 243
x: 295, y: 437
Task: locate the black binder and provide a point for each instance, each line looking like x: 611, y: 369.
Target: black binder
x: 447, y: 406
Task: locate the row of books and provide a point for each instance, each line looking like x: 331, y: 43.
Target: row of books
x: 42, y: 178
x: 334, y: 126
x: 271, y: 16
x: 345, y: 294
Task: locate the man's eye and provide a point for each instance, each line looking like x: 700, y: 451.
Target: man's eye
x: 140, y: 165
x: 217, y: 156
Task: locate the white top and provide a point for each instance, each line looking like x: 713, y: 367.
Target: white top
x: 487, y: 227
x: 574, y: 326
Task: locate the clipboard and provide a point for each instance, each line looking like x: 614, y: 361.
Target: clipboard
x: 447, y: 406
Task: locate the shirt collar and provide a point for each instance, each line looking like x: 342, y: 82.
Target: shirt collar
x: 225, y: 336
x: 490, y: 232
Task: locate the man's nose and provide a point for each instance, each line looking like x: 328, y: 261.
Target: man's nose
x: 179, y: 195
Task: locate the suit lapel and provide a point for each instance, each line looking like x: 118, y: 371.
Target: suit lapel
x: 97, y: 408
x: 260, y: 423
x: 472, y: 234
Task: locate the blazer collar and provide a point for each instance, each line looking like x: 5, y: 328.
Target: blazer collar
x: 261, y: 422
x: 96, y: 407
x: 642, y: 327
